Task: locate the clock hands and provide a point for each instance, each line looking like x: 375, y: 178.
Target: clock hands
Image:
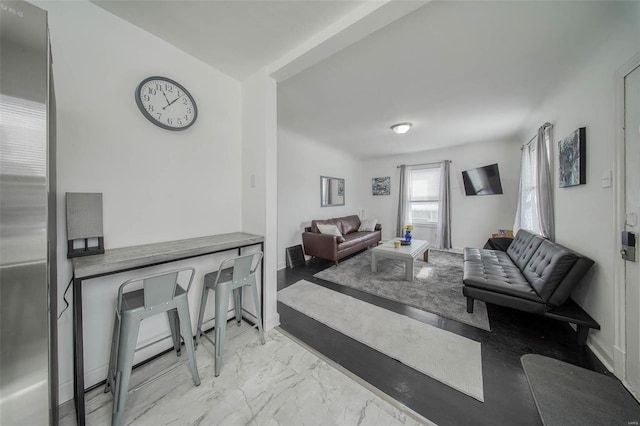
x: 169, y: 104
x: 165, y: 98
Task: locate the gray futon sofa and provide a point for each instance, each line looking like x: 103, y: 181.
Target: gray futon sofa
x: 534, y: 275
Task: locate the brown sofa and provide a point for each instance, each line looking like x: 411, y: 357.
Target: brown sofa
x: 331, y: 247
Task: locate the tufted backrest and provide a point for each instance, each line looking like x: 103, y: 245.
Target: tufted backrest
x: 571, y: 279
x: 523, y: 247
x: 547, y: 268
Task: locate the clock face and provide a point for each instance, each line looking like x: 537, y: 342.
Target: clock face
x: 166, y: 103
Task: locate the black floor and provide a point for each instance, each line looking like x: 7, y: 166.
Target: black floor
x: 508, y: 399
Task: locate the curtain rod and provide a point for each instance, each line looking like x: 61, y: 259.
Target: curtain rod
x: 544, y: 126
x: 424, y: 164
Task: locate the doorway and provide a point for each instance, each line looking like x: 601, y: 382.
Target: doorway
x: 628, y: 335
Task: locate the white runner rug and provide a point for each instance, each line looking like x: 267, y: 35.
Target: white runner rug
x: 451, y: 359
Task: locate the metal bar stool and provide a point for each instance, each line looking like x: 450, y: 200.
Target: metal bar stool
x: 160, y: 293
x: 233, y: 275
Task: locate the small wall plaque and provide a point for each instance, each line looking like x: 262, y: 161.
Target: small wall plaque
x: 381, y: 186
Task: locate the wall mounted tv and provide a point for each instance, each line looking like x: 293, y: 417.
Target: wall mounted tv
x: 482, y: 180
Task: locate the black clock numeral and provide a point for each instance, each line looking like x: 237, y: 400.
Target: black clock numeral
x: 169, y: 121
x: 152, y: 91
x: 146, y: 98
x: 168, y: 87
x: 159, y: 115
x: 189, y: 110
x: 150, y: 108
x: 184, y: 101
x: 158, y: 86
x: 186, y: 117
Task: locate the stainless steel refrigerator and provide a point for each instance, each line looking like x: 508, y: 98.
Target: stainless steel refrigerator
x: 28, y: 290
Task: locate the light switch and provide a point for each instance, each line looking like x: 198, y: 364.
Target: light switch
x: 606, y: 179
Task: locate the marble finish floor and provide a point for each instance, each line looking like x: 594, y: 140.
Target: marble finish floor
x: 279, y: 383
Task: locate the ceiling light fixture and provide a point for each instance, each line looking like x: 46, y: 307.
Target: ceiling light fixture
x: 401, y: 128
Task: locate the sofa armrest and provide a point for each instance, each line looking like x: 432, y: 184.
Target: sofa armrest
x: 320, y: 245
x: 378, y: 227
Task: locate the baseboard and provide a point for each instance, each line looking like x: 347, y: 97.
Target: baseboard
x: 272, y: 322
x: 601, y: 353
x: 619, y: 357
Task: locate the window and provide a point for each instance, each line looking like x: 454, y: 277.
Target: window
x: 424, y: 192
x: 535, y: 198
x: 528, y: 209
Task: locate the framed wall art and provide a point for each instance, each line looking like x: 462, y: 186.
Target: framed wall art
x: 381, y: 186
x: 573, y: 158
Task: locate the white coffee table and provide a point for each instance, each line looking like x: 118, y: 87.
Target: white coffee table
x: 406, y: 253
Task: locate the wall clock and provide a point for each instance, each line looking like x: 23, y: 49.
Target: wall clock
x: 166, y: 103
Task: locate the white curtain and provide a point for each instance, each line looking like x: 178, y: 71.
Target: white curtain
x: 404, y: 209
x: 443, y: 231
x: 535, y: 198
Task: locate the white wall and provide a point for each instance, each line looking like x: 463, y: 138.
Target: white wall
x: 157, y: 185
x: 585, y: 214
x: 259, y: 175
x: 473, y: 219
x: 301, y: 162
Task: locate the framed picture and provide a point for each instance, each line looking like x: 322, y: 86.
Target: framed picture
x: 381, y: 186
x: 573, y: 158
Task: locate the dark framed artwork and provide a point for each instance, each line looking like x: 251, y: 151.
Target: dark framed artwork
x: 573, y: 158
x: 381, y: 186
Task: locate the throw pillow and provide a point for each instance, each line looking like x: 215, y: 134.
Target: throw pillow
x: 331, y: 230
x: 368, y: 225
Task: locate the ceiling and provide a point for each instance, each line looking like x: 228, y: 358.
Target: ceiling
x: 461, y: 71
x: 236, y: 37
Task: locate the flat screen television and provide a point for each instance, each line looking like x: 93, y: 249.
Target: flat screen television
x: 482, y: 180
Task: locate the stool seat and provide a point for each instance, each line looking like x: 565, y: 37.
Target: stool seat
x: 232, y: 276
x: 226, y: 275
x: 161, y: 293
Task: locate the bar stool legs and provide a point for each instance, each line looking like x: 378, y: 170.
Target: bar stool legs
x: 161, y: 293
x: 222, y: 302
x: 185, y: 327
x: 232, y: 276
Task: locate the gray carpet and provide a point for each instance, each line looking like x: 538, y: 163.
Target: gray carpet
x: 568, y: 395
x: 437, y: 287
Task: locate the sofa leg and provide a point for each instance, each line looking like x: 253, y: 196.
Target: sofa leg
x: 337, y: 262
x: 470, y: 305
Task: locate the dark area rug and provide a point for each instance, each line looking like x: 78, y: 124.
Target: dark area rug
x: 568, y: 395
x: 437, y: 287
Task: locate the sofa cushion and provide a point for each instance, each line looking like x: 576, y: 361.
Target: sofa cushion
x: 349, y: 224
x: 331, y: 230
x: 356, y: 238
x: 547, y: 267
x: 497, y: 278
x: 315, y: 223
x: 368, y: 225
x: 488, y: 257
x: 523, y: 246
